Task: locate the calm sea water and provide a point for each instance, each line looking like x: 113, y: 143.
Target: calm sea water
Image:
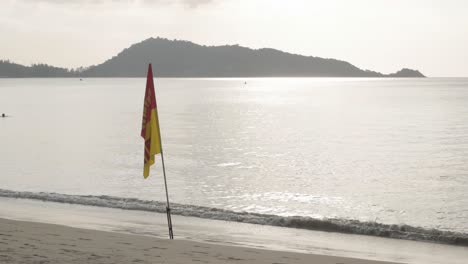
x: 386, y: 150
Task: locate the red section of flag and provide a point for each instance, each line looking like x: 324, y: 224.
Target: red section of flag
x: 149, y: 103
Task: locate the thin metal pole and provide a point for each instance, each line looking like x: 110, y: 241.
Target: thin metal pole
x: 168, y: 207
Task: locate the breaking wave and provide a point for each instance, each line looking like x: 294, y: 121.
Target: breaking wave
x: 330, y: 225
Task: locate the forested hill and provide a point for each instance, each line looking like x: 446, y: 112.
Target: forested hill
x: 13, y: 70
x: 176, y: 58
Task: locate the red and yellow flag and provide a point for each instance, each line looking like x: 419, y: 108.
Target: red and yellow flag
x: 150, y: 125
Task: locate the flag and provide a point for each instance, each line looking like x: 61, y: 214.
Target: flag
x: 150, y: 125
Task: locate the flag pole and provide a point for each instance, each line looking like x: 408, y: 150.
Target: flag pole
x: 168, y: 207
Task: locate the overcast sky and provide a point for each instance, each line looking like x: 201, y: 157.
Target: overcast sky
x: 382, y: 35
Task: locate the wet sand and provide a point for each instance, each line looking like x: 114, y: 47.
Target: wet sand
x: 30, y: 242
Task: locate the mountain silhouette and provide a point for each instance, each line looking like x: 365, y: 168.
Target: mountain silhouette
x: 177, y: 58
x: 13, y: 70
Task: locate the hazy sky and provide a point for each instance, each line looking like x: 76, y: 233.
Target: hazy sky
x: 382, y: 35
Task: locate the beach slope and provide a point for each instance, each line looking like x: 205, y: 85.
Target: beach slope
x: 29, y: 242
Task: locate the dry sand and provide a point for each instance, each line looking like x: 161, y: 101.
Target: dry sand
x: 28, y: 242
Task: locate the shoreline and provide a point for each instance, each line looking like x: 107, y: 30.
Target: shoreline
x: 227, y: 233
x: 30, y: 242
x: 343, y: 226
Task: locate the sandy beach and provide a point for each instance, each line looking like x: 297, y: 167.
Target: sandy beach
x: 30, y: 242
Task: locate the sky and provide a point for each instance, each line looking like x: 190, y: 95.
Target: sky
x: 380, y: 35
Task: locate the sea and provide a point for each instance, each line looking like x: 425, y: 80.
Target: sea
x: 379, y: 157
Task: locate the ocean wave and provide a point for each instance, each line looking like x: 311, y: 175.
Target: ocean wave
x: 301, y: 222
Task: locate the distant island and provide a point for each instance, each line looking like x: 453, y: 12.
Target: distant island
x: 177, y: 58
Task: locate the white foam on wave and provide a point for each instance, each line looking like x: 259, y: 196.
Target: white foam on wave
x: 228, y: 164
